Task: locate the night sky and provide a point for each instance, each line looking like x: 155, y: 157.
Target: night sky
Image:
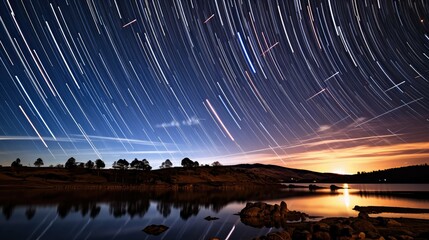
x: 337, y: 86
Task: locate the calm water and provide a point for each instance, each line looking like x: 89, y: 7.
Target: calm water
x: 120, y: 215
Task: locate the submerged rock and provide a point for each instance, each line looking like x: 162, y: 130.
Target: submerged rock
x: 283, y: 235
x: 210, y: 218
x: 155, y: 229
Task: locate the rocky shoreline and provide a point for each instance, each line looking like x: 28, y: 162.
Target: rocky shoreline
x: 294, y: 225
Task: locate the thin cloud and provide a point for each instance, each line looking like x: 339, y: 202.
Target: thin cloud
x: 174, y: 123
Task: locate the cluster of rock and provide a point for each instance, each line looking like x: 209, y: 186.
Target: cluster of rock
x: 261, y: 214
x: 362, y: 227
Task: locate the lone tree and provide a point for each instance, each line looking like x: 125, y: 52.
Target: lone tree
x: 145, y: 165
x: 16, y: 163
x: 38, y: 162
x: 166, y: 164
x: 89, y: 164
x: 99, y: 164
x: 188, y: 163
x: 216, y: 164
x: 137, y: 164
x: 122, y: 164
x: 71, y: 163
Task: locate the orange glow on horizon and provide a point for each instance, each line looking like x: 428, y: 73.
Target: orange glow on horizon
x: 345, y: 160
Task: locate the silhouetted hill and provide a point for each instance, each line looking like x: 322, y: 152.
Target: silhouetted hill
x: 241, y: 175
x: 408, y: 174
x: 177, y: 177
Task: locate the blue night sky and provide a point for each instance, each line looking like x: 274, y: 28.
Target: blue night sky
x: 322, y: 85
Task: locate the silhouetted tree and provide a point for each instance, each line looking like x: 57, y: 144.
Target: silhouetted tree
x: 118, y: 209
x: 196, y: 164
x: 38, y: 162
x: 16, y: 163
x: 164, y: 208
x: 99, y: 164
x: 63, y: 209
x: 186, y: 162
x: 137, y: 164
x: 30, y: 212
x: 189, y: 209
x: 122, y: 164
x: 95, y: 210
x: 71, y: 163
x: 145, y: 165
x: 166, y: 164
x: 216, y: 164
x: 8, y: 210
x: 81, y: 165
x: 89, y: 164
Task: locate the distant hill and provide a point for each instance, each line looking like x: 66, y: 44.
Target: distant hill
x: 196, y: 177
x: 219, y: 176
x: 408, y: 174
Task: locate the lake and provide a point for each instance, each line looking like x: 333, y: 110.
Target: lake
x: 35, y: 214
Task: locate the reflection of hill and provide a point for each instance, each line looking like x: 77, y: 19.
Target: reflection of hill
x: 135, y: 203
x: 396, y: 194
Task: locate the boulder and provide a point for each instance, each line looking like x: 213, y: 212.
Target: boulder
x: 301, y: 235
x: 278, y: 236
x: 361, y: 235
x: 155, y: 229
x: 405, y: 237
x: 261, y: 214
x: 321, y: 227
x: 392, y: 223
x: 321, y: 236
x: 250, y: 212
x: 365, y: 226
x: 210, y: 218
x: 363, y: 215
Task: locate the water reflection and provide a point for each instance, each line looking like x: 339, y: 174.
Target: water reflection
x: 133, y: 203
x: 125, y: 214
x: 346, y: 195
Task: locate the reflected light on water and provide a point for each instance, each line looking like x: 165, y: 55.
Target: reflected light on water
x: 346, y: 195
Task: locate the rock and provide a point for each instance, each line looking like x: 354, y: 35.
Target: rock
x: 334, y: 188
x: 155, y: 229
x: 361, y: 235
x: 363, y: 215
x: 392, y: 223
x: 210, y: 218
x: 334, y: 230
x: 365, y: 226
x: 283, y: 205
x: 346, y: 231
x: 321, y: 236
x: 278, y: 236
x: 312, y: 187
x: 405, y: 237
x: 391, y: 238
x: 262, y: 214
x: 320, y: 227
x: 250, y: 212
x: 301, y: 235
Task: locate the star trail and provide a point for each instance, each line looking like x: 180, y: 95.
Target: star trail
x: 321, y: 85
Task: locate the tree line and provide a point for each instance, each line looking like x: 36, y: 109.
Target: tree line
x: 143, y: 164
